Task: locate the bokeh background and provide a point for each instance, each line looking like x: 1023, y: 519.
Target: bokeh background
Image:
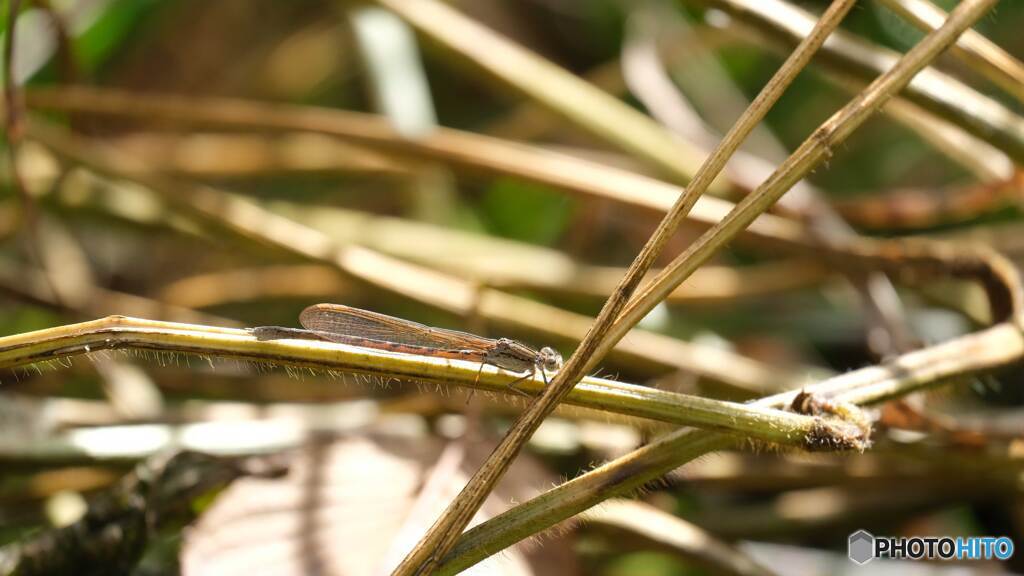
x: 88, y: 246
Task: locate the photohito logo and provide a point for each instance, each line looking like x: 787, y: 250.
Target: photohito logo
x: 862, y: 547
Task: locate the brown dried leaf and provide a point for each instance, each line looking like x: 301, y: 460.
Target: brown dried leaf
x: 354, y: 506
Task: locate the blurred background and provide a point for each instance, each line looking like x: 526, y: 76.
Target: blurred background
x: 87, y: 235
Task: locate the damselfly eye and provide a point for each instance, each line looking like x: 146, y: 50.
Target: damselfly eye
x: 551, y: 359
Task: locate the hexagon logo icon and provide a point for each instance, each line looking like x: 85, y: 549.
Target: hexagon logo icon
x: 861, y: 547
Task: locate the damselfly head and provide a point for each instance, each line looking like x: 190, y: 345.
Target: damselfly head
x: 550, y: 359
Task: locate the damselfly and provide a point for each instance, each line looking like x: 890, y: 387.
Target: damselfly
x: 356, y: 327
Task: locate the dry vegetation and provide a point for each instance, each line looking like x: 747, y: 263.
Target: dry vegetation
x: 784, y: 233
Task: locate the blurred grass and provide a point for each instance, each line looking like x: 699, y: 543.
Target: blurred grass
x: 196, y: 48
x: 527, y: 212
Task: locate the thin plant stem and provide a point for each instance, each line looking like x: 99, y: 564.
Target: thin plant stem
x: 972, y: 354
x: 932, y: 90
x: 445, y: 531
x: 973, y: 49
x: 251, y: 222
x: 57, y: 345
x: 553, y: 87
x: 808, y: 155
x: 812, y: 152
x: 471, y: 151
